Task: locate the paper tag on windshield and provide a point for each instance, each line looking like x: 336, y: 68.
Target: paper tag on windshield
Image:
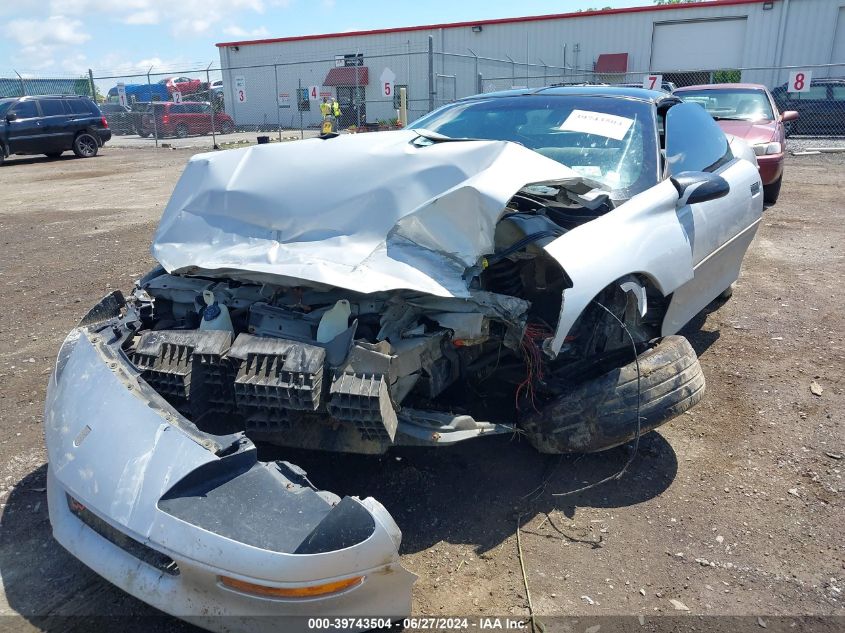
x: 608, y: 125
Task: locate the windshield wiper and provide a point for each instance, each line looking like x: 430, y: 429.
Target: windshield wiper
x: 440, y: 138
x: 729, y: 118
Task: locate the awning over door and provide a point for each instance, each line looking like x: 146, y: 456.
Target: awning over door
x: 612, y: 63
x: 348, y: 76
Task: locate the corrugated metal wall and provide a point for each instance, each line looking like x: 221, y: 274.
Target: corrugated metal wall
x: 548, y: 45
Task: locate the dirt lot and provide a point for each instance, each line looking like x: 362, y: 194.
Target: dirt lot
x: 736, y: 508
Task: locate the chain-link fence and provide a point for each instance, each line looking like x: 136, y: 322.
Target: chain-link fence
x: 284, y: 98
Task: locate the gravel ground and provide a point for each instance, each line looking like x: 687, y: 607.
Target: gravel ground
x: 804, y: 143
x: 734, y: 509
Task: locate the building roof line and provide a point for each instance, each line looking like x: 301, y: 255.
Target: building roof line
x: 530, y: 18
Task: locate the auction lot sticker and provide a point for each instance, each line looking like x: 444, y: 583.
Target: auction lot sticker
x: 609, y: 125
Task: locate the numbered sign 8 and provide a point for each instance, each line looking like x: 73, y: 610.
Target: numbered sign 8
x: 799, y: 81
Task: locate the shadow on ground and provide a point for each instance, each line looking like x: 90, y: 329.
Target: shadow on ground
x: 472, y: 493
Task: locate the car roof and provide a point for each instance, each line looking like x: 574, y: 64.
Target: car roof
x: 737, y: 86
x: 28, y: 97
x: 587, y: 90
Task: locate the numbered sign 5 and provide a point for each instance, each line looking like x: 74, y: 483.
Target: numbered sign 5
x: 388, y: 89
x: 799, y: 80
x: 653, y: 82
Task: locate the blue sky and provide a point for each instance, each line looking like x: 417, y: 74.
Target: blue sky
x: 61, y: 37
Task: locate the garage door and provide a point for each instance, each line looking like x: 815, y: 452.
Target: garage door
x: 698, y: 44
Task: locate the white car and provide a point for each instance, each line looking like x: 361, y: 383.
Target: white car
x: 513, y: 262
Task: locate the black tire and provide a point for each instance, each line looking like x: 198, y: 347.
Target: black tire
x: 2, y: 155
x: 143, y: 133
x: 727, y: 293
x: 599, y: 414
x: 226, y: 128
x: 85, y: 145
x: 772, y: 191
x: 53, y: 154
x: 181, y: 131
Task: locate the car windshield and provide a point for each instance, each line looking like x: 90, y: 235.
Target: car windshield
x: 732, y: 104
x: 4, y: 105
x: 607, y: 139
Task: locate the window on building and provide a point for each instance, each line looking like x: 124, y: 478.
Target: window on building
x: 353, y: 60
x: 302, y: 102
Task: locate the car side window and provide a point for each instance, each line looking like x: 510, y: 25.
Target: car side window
x: 26, y: 110
x: 816, y: 93
x: 838, y: 93
x: 51, y: 107
x: 694, y: 141
x: 76, y: 106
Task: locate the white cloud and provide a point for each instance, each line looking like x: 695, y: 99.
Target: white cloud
x: 40, y: 42
x: 236, y: 31
x: 149, y: 16
x: 185, y: 17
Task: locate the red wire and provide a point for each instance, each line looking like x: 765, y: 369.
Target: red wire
x: 533, y: 362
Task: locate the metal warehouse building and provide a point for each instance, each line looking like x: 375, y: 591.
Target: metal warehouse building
x: 267, y: 81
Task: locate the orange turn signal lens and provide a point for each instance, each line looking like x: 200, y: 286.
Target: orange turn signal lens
x: 311, y: 591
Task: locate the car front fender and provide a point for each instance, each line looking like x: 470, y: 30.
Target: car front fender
x: 644, y: 235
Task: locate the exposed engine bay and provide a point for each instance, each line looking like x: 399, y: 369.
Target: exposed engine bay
x: 320, y: 367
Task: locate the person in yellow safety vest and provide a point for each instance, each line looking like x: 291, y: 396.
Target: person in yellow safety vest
x: 335, y: 109
x: 325, y: 108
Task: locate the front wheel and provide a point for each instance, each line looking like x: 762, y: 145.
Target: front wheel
x: 85, y: 145
x: 772, y: 191
x: 182, y: 131
x: 226, y: 127
x: 601, y: 413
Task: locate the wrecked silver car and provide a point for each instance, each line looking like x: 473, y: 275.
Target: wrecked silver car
x: 514, y: 263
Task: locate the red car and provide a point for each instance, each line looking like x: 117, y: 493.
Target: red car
x: 183, y: 119
x: 749, y: 112
x: 182, y: 85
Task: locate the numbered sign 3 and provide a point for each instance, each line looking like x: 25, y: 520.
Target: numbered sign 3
x: 240, y: 89
x: 799, y: 80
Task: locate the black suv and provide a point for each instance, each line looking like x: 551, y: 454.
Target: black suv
x: 51, y: 125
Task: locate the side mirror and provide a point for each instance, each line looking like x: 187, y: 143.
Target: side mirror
x: 699, y: 186
x: 789, y: 115
x: 11, y: 117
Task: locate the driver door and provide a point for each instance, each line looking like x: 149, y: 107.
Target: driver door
x: 718, y: 231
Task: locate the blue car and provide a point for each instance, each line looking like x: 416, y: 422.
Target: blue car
x: 142, y: 92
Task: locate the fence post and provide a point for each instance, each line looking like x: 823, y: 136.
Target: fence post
x: 278, y: 109
x: 23, y: 86
x: 211, y: 101
x: 91, y: 85
x: 298, y: 107
x: 477, y: 91
x: 479, y: 80
x: 152, y: 105
x: 431, y: 91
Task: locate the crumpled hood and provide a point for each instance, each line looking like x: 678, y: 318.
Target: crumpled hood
x: 365, y: 212
x: 749, y: 131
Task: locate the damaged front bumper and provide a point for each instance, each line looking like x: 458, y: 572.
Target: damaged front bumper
x: 193, y: 524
